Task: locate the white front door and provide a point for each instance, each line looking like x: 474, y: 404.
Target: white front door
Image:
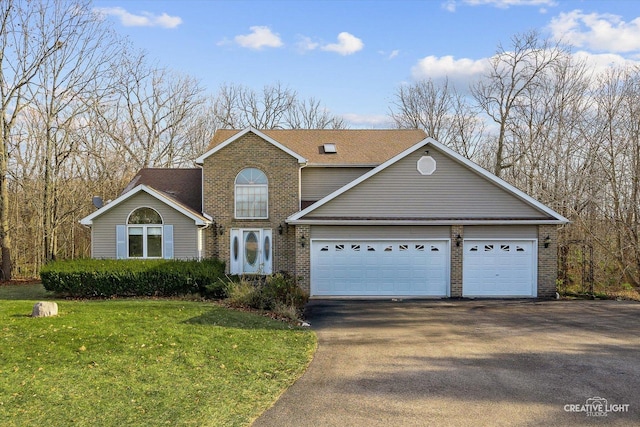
x: 251, y: 251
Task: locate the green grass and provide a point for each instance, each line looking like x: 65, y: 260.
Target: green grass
x: 141, y: 362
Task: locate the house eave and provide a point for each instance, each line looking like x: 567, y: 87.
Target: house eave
x: 198, y: 219
x: 470, y: 221
x: 342, y: 165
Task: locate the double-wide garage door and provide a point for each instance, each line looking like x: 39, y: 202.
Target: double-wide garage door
x: 380, y: 268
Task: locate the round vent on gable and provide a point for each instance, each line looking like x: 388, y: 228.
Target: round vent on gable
x: 426, y: 165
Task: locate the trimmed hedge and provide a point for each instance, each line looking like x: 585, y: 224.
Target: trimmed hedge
x: 91, y: 278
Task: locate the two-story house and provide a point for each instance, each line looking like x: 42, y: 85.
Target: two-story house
x: 367, y: 213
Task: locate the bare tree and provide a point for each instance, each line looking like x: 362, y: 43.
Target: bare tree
x: 425, y: 105
x: 27, y: 39
x: 276, y: 107
x: 67, y: 79
x: 442, y: 113
x: 310, y: 114
x: 149, y: 112
x: 511, y: 73
x: 616, y: 127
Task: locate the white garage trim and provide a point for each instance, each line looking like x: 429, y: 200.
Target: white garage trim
x: 499, y: 268
x: 380, y: 267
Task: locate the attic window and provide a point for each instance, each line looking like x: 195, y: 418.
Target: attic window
x: 329, y: 148
x: 426, y: 165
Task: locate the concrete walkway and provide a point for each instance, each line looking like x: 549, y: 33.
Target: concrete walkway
x: 467, y: 363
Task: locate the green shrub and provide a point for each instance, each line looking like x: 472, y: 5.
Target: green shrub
x: 278, y: 293
x: 89, y: 278
x: 282, y: 288
x: 243, y: 293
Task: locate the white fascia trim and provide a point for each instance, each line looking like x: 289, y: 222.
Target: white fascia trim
x: 343, y: 165
x: 88, y: 220
x: 471, y: 165
x: 423, y: 222
x: 301, y: 160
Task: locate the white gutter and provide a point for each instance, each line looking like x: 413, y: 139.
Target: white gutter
x: 424, y: 222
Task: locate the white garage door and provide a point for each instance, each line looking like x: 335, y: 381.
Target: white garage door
x: 499, y: 268
x: 379, y: 268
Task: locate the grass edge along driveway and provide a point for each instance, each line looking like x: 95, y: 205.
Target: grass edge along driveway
x: 144, y: 362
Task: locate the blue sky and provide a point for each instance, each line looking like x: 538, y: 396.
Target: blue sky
x: 353, y: 55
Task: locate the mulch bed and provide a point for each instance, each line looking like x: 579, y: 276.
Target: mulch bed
x: 17, y: 282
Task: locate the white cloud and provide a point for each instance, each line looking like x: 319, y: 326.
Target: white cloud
x: 447, y: 66
x: 449, y: 5
x: 367, y: 121
x: 145, y: 19
x: 259, y: 37
x: 601, y: 62
x: 601, y: 32
x: 348, y: 44
x: 389, y: 55
x: 305, y: 44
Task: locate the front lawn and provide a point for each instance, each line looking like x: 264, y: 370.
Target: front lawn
x: 142, y: 362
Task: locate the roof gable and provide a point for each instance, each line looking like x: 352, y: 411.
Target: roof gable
x: 382, y: 194
x: 230, y: 137
x: 363, y: 147
x: 159, y: 195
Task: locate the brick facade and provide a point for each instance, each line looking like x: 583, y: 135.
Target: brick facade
x: 219, y: 173
x: 547, y: 261
x: 303, y: 257
x: 456, y: 261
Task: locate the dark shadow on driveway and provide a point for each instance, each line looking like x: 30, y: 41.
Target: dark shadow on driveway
x: 481, y: 362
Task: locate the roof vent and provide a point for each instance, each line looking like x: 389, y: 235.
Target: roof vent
x: 97, y: 202
x: 329, y: 148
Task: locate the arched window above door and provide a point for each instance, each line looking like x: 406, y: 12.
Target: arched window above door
x: 251, y: 194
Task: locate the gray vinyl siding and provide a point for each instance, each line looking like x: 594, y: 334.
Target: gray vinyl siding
x: 103, y: 233
x: 452, y: 191
x: 319, y: 182
x: 379, y: 232
x: 501, y: 232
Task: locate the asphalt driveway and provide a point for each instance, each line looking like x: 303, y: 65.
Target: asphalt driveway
x: 468, y: 363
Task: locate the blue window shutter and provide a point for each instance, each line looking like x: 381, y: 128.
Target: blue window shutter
x: 167, y: 241
x: 121, y: 241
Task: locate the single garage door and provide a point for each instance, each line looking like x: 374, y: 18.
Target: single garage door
x: 499, y: 268
x: 379, y: 268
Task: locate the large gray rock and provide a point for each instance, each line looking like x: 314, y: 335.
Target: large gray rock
x: 45, y: 309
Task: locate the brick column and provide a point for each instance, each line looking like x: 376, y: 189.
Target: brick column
x: 303, y: 257
x: 547, y: 261
x: 456, y: 261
